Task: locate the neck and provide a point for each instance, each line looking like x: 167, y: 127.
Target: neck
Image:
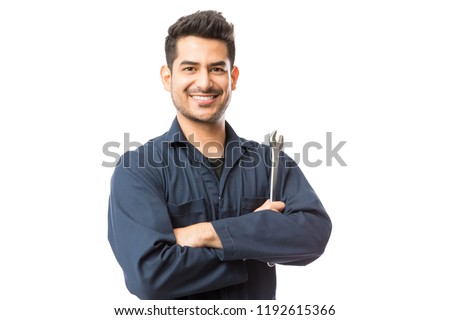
x: 208, y: 138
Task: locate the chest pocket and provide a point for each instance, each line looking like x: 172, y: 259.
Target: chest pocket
x: 185, y: 214
x: 249, y: 204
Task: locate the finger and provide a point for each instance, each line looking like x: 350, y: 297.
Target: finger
x: 278, y: 206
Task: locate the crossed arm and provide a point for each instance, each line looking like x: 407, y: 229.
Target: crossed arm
x: 203, y: 234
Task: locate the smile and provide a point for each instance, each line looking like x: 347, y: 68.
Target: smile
x: 203, y: 98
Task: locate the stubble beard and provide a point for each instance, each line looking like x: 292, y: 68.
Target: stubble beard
x: 215, y: 117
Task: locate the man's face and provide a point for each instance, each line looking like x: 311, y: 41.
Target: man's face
x: 201, y: 80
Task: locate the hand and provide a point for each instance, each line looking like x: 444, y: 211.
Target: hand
x: 198, y: 235
x: 277, y: 206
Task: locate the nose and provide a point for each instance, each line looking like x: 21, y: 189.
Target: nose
x: 203, y: 81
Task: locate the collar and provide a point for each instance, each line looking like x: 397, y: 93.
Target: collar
x: 175, y: 136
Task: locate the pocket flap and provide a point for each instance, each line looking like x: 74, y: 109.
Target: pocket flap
x: 187, y: 213
x: 249, y: 204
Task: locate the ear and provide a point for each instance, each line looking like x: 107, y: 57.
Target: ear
x: 166, y: 77
x: 234, y: 77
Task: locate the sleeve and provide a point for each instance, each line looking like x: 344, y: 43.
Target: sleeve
x: 143, y: 242
x: 298, y: 236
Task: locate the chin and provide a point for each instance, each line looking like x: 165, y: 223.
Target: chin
x: 206, y: 118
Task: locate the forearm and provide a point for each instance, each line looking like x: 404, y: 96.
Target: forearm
x: 198, y: 235
x: 157, y: 268
x: 274, y: 237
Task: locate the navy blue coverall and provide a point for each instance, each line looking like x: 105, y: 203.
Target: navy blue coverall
x: 167, y: 183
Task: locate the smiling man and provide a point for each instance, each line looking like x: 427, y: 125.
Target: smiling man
x: 189, y: 215
x: 200, y: 79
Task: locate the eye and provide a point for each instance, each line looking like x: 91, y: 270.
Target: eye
x: 218, y: 70
x: 188, y: 69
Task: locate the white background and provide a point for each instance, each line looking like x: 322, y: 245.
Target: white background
x: 77, y: 74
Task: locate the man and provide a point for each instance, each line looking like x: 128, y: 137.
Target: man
x: 189, y: 216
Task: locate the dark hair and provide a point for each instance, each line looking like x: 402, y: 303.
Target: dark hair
x: 204, y: 24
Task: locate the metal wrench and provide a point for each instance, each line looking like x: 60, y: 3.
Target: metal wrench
x: 275, y: 147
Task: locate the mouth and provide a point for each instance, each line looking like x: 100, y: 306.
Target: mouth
x: 204, y: 99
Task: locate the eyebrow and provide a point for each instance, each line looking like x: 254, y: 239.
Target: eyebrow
x: 193, y: 63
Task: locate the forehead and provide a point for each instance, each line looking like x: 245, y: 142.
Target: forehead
x: 201, y: 50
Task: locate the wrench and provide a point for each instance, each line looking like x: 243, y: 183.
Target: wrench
x: 275, y: 147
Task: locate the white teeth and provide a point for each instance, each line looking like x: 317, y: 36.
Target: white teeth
x: 203, y: 98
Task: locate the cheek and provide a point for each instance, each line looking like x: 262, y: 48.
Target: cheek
x: 223, y: 84
x: 181, y: 83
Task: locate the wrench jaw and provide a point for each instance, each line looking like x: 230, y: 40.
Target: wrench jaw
x: 280, y: 142
x: 272, y: 138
